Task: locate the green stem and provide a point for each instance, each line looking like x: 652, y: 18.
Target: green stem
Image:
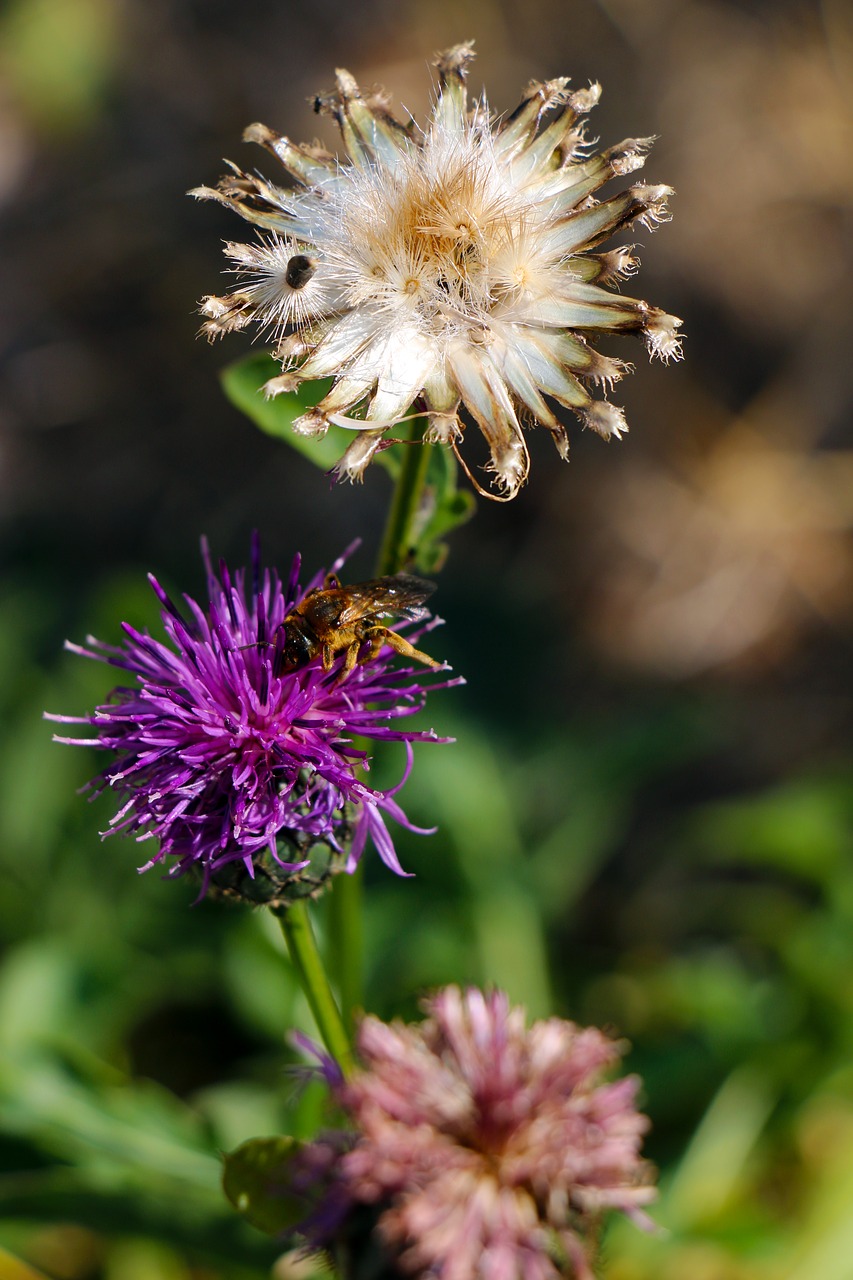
x: 302, y: 947
x: 346, y: 942
x: 345, y: 919
x: 397, y: 538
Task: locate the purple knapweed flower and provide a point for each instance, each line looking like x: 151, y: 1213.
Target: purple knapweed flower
x: 481, y: 1149
x: 246, y: 773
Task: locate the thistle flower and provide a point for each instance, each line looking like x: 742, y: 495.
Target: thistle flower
x: 451, y: 267
x: 481, y: 1148
x: 247, y: 773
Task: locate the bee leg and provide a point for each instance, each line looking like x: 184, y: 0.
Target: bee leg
x: 377, y: 637
x: 384, y: 635
x: 328, y: 657
x: 350, y: 660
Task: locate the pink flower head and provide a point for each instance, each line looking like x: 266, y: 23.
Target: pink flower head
x: 489, y: 1149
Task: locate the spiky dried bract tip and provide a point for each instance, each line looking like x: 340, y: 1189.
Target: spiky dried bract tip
x: 453, y: 265
x: 241, y: 766
x: 480, y: 1147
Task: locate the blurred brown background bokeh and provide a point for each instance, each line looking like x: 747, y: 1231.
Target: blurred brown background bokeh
x: 716, y: 537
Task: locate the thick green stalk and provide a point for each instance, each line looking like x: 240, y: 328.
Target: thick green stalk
x: 302, y: 947
x: 397, y: 538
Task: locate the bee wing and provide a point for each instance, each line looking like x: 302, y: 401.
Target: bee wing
x: 411, y: 588
x: 400, y: 594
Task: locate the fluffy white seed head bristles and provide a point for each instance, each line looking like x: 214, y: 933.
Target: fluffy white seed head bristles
x: 353, y: 462
x: 454, y: 266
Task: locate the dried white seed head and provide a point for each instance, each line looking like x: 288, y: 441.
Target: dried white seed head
x: 444, y: 428
x: 352, y: 463
x: 607, y: 419
x: 313, y: 423
x: 661, y: 335
x: 454, y: 266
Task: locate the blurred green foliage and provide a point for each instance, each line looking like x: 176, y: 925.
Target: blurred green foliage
x: 59, y: 56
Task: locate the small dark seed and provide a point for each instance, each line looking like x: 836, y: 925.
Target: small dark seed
x: 299, y: 271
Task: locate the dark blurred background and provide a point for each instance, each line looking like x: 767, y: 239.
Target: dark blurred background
x: 646, y: 820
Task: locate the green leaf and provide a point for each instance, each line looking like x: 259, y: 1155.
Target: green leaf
x: 129, y: 1132
x: 14, y: 1269
x: 255, y: 1178
x: 243, y: 384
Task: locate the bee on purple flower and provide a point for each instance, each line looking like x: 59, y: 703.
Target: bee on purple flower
x: 243, y: 770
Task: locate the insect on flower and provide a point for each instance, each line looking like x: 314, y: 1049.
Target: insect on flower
x: 241, y: 757
x: 335, y: 619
